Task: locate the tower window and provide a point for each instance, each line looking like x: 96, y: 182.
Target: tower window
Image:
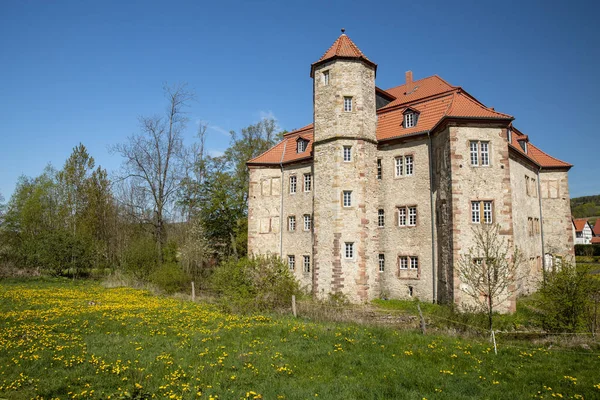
x: 379, y: 169
x: 480, y: 153
x: 348, y: 104
x: 381, y: 262
x: 326, y: 78
x: 307, y: 182
x: 347, y: 153
x: 349, y: 250
x: 307, y: 222
x: 347, y: 198
x: 488, y: 216
x: 380, y: 218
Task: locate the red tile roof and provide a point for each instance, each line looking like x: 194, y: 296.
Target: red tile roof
x: 579, y: 224
x: 433, y: 98
x: 596, y: 240
x: 345, y: 48
x: 596, y: 229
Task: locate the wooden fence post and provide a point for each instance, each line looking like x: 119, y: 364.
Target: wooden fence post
x: 193, y: 292
x: 294, y: 305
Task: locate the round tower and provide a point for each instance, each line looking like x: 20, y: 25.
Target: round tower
x: 344, y: 167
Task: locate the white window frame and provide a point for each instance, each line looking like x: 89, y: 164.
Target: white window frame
x: 409, y: 120
x: 293, y: 183
x: 476, y: 212
x: 474, y: 149
x: 403, y: 262
x: 347, y: 103
x: 488, y: 207
x: 412, y: 216
x: 292, y: 223
x: 414, y: 263
x: 381, y: 262
x: 381, y: 218
x: 485, y: 154
x: 408, y: 165
x: 307, y: 182
x: 307, y: 222
x: 402, y: 214
x: 326, y: 78
x: 347, y: 198
x: 300, y: 146
x: 306, y: 264
x: 399, y: 166
x: 292, y: 262
x: 349, y: 250
x: 347, y: 153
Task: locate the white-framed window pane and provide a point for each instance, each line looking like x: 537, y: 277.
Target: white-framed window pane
x: 293, y: 184
x: 292, y: 223
x: 409, y: 120
x: 307, y: 182
x: 408, y: 165
x: 326, y: 78
x: 347, y: 198
x: 307, y: 222
x: 475, y: 216
x: 412, y: 216
x: 347, y: 104
x: 379, y: 169
x: 347, y: 153
x: 292, y: 262
x: 349, y: 250
x: 380, y: 217
x: 403, y: 262
x: 485, y: 153
x: 300, y: 146
x: 399, y: 166
x: 306, y: 263
x: 381, y: 262
x: 474, y: 153
x: 402, y: 216
x: 487, y: 212
x: 414, y: 263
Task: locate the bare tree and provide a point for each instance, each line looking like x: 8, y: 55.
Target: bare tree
x: 154, y: 162
x: 490, y: 270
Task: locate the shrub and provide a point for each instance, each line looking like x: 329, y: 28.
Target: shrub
x: 170, y: 278
x: 567, y: 297
x: 140, y: 258
x: 255, y: 284
x: 587, y: 250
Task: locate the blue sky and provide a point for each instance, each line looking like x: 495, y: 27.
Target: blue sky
x: 78, y: 71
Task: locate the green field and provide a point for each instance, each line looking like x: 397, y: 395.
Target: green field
x: 60, y: 339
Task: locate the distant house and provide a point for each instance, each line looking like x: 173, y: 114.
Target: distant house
x: 583, y: 231
x: 596, y: 228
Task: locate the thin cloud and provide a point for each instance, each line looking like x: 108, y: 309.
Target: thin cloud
x: 215, y: 152
x: 218, y: 129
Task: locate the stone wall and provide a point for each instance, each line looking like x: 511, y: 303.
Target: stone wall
x: 526, y: 222
x: 264, y: 202
x: 398, y: 241
x: 556, y: 212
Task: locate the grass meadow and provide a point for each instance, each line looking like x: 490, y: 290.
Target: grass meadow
x: 75, y: 340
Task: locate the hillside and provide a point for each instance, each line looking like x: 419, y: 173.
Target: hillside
x: 586, y: 206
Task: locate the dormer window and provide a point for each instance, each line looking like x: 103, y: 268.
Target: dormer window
x: 301, y: 145
x: 410, y: 118
x: 523, y: 144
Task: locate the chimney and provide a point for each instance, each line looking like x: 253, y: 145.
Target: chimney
x: 409, y: 82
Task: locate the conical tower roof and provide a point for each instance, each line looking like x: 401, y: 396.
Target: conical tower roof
x: 343, y: 48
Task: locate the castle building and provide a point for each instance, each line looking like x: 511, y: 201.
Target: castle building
x: 378, y: 197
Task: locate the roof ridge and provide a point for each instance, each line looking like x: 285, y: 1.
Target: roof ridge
x: 386, y: 109
x: 295, y: 131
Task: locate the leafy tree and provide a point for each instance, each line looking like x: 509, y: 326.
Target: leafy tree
x: 489, y: 270
x: 153, y: 163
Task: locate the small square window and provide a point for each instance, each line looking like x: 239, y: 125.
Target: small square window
x: 326, y: 77
x: 347, y: 153
x: 292, y: 223
x: 306, y: 264
x: 347, y: 198
x: 380, y: 218
x: 348, y: 104
x: 307, y: 222
x: 292, y: 262
x: 381, y: 262
x: 349, y: 250
x: 292, y: 184
x: 307, y: 182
